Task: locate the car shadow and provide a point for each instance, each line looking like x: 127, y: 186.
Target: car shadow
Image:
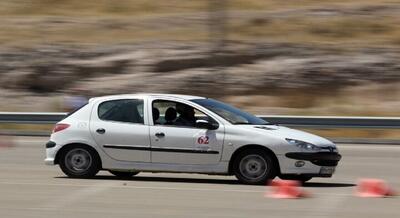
x: 164, y: 179
x: 203, y: 181
x: 327, y: 185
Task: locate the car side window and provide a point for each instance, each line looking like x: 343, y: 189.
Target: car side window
x: 176, y: 114
x: 125, y: 110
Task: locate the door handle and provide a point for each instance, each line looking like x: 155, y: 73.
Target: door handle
x: 160, y: 134
x: 101, y: 131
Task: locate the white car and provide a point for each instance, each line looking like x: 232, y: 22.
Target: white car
x: 126, y: 134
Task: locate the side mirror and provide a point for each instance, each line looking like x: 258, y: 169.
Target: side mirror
x: 204, y: 124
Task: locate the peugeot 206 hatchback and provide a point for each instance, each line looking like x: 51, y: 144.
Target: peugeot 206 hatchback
x: 127, y: 134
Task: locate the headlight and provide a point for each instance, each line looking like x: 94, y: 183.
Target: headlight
x: 303, y: 145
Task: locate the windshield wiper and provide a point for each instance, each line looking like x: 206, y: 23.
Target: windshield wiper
x: 244, y: 123
x: 237, y: 123
x: 269, y: 123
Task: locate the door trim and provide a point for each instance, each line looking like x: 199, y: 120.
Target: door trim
x: 158, y: 149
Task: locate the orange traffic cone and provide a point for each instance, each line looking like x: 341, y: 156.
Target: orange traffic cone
x: 373, y: 188
x: 289, y: 189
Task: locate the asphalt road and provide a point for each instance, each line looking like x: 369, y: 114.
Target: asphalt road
x: 28, y: 188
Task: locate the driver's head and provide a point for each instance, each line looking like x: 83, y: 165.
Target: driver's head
x: 185, y: 111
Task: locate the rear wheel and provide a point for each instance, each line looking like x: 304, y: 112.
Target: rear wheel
x: 121, y: 174
x: 79, y: 162
x: 255, y: 167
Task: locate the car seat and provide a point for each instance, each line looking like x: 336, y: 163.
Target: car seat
x: 156, y: 115
x: 170, y: 116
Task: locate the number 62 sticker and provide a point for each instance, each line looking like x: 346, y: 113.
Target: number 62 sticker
x: 203, y: 140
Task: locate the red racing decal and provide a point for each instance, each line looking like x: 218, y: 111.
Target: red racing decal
x: 203, y: 140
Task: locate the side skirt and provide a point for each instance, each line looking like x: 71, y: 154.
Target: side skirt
x: 220, y: 168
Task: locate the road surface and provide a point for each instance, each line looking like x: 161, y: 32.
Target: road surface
x: 28, y: 188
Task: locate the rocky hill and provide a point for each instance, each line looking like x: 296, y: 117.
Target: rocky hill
x: 295, y: 72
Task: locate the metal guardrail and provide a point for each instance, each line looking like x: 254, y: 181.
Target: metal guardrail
x: 298, y: 121
x: 322, y: 122
x: 31, y: 118
x: 335, y: 121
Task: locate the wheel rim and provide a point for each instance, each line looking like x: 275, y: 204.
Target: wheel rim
x: 78, y: 160
x: 253, y: 167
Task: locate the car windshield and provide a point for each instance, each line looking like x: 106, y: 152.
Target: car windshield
x: 230, y: 113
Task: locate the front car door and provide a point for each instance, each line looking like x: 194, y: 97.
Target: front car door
x: 175, y: 138
x: 118, y: 127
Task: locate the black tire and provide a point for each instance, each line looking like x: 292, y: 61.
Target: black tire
x: 74, y: 156
x: 249, y: 164
x: 121, y: 174
x: 301, y: 178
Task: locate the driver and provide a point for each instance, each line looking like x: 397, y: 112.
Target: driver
x: 186, y: 115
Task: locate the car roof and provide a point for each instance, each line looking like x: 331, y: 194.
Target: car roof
x: 146, y: 95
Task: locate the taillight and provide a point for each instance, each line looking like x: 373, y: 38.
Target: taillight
x: 60, y: 126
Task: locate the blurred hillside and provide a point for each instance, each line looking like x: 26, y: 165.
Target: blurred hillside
x: 279, y: 57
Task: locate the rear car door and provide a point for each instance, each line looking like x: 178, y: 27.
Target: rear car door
x: 176, y: 140
x: 118, y: 127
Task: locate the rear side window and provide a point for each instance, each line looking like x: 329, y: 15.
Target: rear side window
x: 125, y: 110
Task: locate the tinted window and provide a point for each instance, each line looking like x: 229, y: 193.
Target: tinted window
x: 176, y: 114
x: 127, y: 110
x: 230, y: 113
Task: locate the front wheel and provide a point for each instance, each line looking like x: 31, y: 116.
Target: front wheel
x: 80, y: 162
x: 255, y: 167
x: 121, y: 174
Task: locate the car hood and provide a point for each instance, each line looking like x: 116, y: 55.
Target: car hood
x: 285, y: 132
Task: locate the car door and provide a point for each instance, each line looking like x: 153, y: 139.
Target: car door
x: 176, y: 141
x: 118, y: 127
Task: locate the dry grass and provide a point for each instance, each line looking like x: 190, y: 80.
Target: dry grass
x: 140, y: 7
x: 362, y: 100
x: 30, y: 22
x: 332, y: 30
x: 98, y: 7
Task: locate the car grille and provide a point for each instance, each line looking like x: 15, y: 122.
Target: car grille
x: 330, y: 163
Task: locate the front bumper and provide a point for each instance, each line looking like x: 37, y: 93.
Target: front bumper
x: 317, y: 158
x: 317, y: 164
